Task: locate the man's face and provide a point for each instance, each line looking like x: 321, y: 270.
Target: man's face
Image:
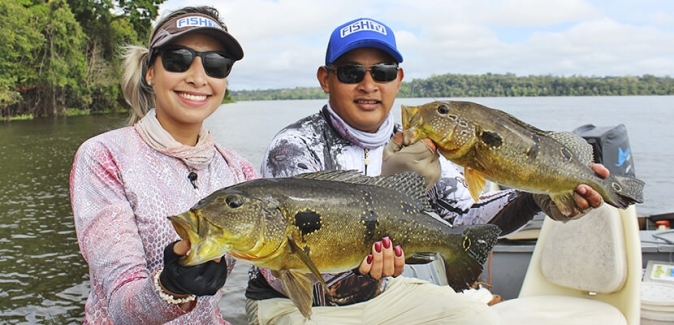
x: 364, y: 105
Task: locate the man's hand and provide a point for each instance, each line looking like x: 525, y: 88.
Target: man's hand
x: 419, y: 157
x: 585, y: 197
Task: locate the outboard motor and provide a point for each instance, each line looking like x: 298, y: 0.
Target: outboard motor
x: 611, y: 147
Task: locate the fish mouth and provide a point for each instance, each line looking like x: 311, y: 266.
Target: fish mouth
x: 205, y: 238
x: 410, y: 119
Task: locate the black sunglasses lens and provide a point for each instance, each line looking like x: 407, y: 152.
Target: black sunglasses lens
x: 351, y: 74
x: 177, y: 60
x: 216, y: 65
x: 384, y: 72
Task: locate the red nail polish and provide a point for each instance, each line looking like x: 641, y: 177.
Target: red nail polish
x: 369, y: 259
x: 398, y: 251
x: 387, y: 242
x: 377, y: 247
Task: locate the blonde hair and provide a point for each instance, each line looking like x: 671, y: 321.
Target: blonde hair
x: 136, y: 61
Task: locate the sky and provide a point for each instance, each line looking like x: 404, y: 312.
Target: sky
x: 284, y: 41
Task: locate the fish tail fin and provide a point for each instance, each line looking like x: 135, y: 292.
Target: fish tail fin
x: 627, y: 190
x: 618, y: 191
x: 479, y: 240
x: 464, y: 266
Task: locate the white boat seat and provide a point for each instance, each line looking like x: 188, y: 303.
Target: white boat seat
x: 586, y: 254
x: 558, y: 310
x: 585, y: 271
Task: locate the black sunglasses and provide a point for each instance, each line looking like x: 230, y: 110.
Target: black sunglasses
x: 179, y: 59
x: 354, y: 73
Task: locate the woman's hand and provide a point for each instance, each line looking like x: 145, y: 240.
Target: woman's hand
x: 199, y: 280
x: 385, y: 260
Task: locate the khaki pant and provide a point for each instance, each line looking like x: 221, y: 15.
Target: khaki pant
x: 405, y: 301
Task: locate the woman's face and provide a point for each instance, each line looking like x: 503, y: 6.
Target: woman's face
x: 364, y: 105
x: 185, y: 99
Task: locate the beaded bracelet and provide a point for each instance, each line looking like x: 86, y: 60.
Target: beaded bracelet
x: 167, y: 297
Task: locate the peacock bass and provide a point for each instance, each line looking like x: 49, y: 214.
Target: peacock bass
x: 494, y: 145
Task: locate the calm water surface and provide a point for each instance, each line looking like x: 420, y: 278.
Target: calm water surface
x: 43, y: 279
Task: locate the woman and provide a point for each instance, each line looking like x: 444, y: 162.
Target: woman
x: 124, y: 183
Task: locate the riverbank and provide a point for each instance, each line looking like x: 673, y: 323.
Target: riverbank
x: 72, y: 112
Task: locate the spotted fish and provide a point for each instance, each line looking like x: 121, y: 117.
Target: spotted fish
x: 494, y: 145
x: 326, y: 222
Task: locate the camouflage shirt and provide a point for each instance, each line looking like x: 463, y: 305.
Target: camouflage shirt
x: 312, y: 144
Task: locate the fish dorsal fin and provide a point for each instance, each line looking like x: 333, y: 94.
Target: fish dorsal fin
x: 409, y: 183
x: 578, y: 146
x: 299, y: 287
x: 347, y: 176
x: 522, y: 124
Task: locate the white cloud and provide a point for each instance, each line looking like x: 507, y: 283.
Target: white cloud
x: 529, y: 13
x: 284, y: 40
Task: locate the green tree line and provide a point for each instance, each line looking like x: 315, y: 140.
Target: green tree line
x: 496, y: 85
x: 58, y: 54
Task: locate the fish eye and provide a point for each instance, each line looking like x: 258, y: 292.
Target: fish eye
x: 233, y: 201
x: 443, y: 109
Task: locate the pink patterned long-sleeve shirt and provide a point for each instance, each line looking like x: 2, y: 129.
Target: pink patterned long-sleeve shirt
x: 122, y: 191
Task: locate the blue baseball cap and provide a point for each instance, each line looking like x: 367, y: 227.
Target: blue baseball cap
x: 359, y: 33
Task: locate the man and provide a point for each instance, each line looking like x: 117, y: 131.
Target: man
x: 362, y: 76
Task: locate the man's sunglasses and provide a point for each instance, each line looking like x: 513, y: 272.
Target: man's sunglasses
x: 353, y: 74
x: 179, y: 59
